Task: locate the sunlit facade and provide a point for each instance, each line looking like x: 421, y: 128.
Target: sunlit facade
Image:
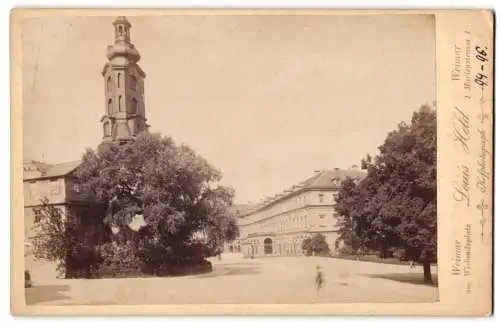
x: 278, y: 225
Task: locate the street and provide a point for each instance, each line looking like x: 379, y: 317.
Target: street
x: 273, y: 280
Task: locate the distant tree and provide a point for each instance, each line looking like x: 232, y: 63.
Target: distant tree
x: 58, y: 238
x: 170, y: 187
x: 52, y: 235
x: 345, y: 205
x: 316, y: 245
x: 394, y: 207
x: 306, y: 246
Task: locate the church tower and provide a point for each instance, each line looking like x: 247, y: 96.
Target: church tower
x: 125, y: 115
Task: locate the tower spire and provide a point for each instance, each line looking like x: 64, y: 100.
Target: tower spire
x: 122, y: 46
x: 125, y: 115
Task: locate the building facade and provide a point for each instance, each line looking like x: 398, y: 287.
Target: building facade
x: 277, y: 226
x: 52, y: 183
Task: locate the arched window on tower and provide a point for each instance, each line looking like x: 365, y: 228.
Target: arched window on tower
x: 133, y: 106
x: 120, y: 103
x: 120, y: 30
x: 118, y: 79
x: 107, y: 129
x: 109, y: 84
x: 137, y: 128
x: 133, y: 82
x: 110, y: 106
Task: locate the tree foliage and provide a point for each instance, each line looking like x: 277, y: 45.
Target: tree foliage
x: 170, y: 187
x: 393, y: 209
x: 347, y: 200
x: 52, y: 236
x: 58, y: 238
x: 315, y: 245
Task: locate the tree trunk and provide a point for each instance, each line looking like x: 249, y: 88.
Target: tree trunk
x: 427, y: 272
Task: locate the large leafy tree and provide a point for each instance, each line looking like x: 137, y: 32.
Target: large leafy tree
x: 394, y: 207
x: 173, y: 190
x: 345, y: 205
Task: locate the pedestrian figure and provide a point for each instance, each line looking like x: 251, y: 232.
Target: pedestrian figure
x: 412, y: 264
x: 319, y: 279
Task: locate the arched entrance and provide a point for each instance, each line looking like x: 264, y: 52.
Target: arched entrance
x: 268, y: 246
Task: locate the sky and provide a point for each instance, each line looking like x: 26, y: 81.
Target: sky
x: 265, y: 99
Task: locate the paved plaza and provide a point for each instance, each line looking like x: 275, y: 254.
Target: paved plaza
x: 272, y: 280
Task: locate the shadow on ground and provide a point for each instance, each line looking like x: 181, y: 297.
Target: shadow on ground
x: 230, y: 270
x: 44, y: 293
x: 411, y: 278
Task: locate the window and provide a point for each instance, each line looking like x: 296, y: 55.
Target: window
x: 322, y: 216
x: 55, y: 187
x: 109, y: 84
x: 120, y: 106
x: 107, y: 130
x: 118, y: 79
x: 321, y: 197
x: 110, y: 106
x: 120, y: 30
x: 133, y: 82
x: 77, y: 188
x: 133, y: 106
x: 138, y: 126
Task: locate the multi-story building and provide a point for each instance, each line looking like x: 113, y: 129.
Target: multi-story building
x: 277, y: 226
x: 238, y: 210
x: 53, y: 183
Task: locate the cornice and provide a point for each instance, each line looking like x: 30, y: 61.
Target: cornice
x: 123, y: 67
x: 289, y: 196
x: 305, y: 207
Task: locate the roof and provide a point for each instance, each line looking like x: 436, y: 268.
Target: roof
x: 240, y: 209
x: 326, y: 179
x: 41, y: 166
x: 62, y: 168
x: 56, y: 170
x: 321, y: 180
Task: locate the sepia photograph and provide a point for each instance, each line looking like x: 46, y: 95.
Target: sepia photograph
x: 195, y: 159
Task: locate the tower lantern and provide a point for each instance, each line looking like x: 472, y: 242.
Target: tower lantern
x: 124, y: 116
x: 122, y: 29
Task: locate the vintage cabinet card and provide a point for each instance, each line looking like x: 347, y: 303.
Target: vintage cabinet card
x: 270, y: 162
